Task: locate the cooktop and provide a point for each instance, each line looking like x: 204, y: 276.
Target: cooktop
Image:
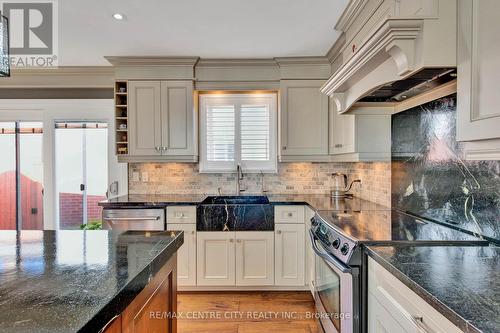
x: 341, y: 232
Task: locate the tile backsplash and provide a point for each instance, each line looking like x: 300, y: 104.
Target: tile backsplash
x: 298, y: 178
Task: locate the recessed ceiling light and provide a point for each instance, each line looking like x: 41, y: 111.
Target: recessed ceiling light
x: 118, y: 16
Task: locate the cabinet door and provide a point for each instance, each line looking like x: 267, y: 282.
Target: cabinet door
x: 342, y: 132
x: 304, y: 118
x: 186, y: 255
x: 215, y: 259
x: 254, y: 258
x: 145, y: 118
x: 478, y: 108
x: 177, y: 118
x: 290, y: 254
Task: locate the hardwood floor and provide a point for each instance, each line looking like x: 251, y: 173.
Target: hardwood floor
x: 246, y: 312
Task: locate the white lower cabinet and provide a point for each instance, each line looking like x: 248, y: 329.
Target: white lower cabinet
x: 186, y: 255
x: 255, y: 258
x: 395, y: 308
x: 215, y: 258
x: 289, y: 266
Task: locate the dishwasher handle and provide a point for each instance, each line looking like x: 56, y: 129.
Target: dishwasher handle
x: 145, y: 218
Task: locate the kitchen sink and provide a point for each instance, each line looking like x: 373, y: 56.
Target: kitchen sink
x: 235, y: 213
x: 236, y: 200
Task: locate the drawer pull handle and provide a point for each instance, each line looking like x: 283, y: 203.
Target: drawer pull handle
x: 419, y: 322
x: 290, y: 214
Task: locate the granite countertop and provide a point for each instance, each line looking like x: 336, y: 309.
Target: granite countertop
x: 462, y: 283
x: 315, y: 201
x: 75, y: 281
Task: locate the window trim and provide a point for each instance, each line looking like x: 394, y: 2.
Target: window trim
x: 270, y: 166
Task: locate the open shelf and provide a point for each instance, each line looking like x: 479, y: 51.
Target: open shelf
x: 121, y: 117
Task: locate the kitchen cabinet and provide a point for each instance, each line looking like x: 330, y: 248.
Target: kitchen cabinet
x: 310, y: 256
x: 186, y: 255
x: 478, y: 112
x: 215, y: 258
x: 304, y: 121
x: 255, y: 258
x: 161, y: 121
x: 360, y: 137
x: 289, y: 214
x: 159, y: 296
x: 289, y: 244
x: 395, y: 308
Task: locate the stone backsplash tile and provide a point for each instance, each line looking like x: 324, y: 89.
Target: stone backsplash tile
x: 292, y: 178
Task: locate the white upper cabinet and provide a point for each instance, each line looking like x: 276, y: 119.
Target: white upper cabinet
x: 162, y: 121
x: 478, y: 106
x: 145, y: 118
x: 304, y: 120
x: 177, y: 118
x: 359, y: 137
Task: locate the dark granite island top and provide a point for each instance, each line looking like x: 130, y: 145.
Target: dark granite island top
x: 315, y: 201
x: 462, y: 283
x: 75, y: 281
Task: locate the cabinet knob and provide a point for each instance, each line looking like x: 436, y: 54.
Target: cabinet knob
x: 231, y: 240
x: 338, y: 145
x: 193, y: 232
x: 290, y: 214
x: 278, y: 232
x: 238, y: 241
x: 164, y: 148
x: 157, y: 148
x: 284, y: 147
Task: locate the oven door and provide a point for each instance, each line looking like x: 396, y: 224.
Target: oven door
x: 335, y: 292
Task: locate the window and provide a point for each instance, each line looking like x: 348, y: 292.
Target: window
x: 238, y: 129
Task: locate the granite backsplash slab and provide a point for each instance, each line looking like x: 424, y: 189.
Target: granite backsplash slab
x: 430, y: 176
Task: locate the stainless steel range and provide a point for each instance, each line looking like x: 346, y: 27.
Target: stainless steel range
x: 338, y: 237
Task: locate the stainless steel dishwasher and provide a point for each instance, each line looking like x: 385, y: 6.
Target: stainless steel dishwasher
x: 133, y: 219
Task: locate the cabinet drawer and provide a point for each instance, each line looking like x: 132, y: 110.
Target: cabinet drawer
x: 289, y: 214
x: 181, y: 214
x: 403, y: 303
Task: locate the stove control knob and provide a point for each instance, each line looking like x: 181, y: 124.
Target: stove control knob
x: 344, y: 249
x: 336, y: 243
x: 314, y: 222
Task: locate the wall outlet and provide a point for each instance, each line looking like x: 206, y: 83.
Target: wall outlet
x: 145, y: 176
x: 135, y: 176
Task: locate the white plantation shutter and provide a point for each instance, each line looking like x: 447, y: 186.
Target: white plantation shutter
x: 238, y: 129
x: 220, y: 127
x: 254, y: 122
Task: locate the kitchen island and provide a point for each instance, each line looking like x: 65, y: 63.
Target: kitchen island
x: 88, y: 281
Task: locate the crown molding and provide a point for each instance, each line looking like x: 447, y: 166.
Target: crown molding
x: 292, y: 61
x: 349, y: 14
x: 235, y: 62
x: 123, y: 61
x: 60, y: 77
x: 336, y: 48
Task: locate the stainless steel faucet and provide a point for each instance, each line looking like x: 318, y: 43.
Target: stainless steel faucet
x: 239, y: 178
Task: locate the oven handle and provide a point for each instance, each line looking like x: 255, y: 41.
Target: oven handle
x: 331, y: 259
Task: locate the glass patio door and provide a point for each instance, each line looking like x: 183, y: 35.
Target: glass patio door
x: 21, y: 176
x: 81, y: 172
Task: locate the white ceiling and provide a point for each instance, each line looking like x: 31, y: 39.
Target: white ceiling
x: 205, y: 28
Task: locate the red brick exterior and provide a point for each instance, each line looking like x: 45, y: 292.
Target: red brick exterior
x: 70, y: 209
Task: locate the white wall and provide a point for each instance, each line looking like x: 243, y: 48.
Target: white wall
x: 49, y: 111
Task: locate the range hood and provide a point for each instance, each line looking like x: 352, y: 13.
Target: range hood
x: 405, y: 54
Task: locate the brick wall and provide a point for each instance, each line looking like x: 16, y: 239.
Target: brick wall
x: 70, y: 209
x: 299, y: 178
